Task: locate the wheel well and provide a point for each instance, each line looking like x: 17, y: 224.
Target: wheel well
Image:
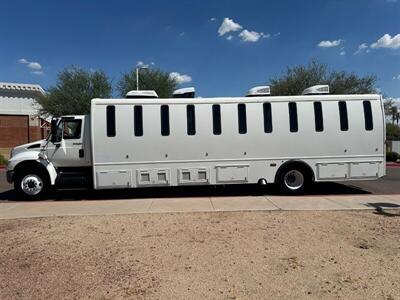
x: 298, y: 164
x: 28, y: 166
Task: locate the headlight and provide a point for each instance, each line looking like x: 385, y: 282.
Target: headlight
x: 12, y: 153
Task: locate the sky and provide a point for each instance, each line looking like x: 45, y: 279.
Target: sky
x: 222, y: 48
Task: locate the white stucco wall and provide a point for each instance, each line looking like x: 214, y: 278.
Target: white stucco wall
x: 19, y: 99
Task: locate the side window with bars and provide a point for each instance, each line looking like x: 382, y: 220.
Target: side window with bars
x: 191, y: 119
x: 242, y: 118
x: 293, y: 122
x: 164, y: 112
x: 110, y: 120
x: 369, y: 124
x: 216, y: 116
x: 138, y: 120
x: 344, y: 121
x: 319, y: 120
x: 267, y: 117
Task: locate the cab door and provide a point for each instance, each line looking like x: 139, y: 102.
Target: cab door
x: 69, y: 152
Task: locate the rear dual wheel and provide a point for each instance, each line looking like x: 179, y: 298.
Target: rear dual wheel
x: 293, y: 180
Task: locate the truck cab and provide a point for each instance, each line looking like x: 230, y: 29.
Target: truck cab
x: 63, y: 160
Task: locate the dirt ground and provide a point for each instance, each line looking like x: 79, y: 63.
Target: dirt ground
x: 252, y: 255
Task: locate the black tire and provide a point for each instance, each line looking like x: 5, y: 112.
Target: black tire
x: 293, y: 180
x: 32, y: 185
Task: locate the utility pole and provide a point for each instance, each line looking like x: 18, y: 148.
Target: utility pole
x: 137, y: 75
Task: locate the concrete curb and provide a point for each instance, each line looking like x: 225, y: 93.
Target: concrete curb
x: 393, y: 165
x: 17, y: 210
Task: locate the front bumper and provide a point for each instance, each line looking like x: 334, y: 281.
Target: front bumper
x: 10, y: 176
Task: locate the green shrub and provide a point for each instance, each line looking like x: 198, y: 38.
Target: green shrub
x: 3, y: 161
x: 392, y: 156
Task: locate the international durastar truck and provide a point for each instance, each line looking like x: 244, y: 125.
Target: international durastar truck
x: 147, y: 142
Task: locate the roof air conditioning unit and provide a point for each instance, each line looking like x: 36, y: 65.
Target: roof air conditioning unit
x: 259, y: 91
x: 184, y: 93
x: 141, y: 94
x: 316, y: 90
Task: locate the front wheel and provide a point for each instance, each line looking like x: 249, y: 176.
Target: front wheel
x: 32, y: 185
x: 293, y: 181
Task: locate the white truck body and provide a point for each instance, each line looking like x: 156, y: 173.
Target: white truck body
x: 130, y: 143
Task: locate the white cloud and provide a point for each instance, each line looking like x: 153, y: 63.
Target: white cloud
x: 329, y: 44
x: 396, y: 77
x: 387, y: 41
x: 34, y: 65
x: 23, y: 61
x: 180, y: 78
x: 362, y: 47
x: 228, y: 25
x: 252, y: 36
x: 342, y: 53
x: 213, y: 19
x: 277, y: 34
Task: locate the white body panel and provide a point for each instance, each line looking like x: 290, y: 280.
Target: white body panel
x: 126, y: 160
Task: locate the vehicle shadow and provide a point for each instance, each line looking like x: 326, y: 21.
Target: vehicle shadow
x: 326, y: 188
x: 386, y: 209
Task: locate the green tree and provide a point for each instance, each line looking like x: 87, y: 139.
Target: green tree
x: 388, y: 103
x: 149, y: 79
x: 395, y: 114
x: 392, y: 132
x: 295, y: 79
x: 73, y: 92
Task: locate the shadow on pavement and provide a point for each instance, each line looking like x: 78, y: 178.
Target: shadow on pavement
x: 326, y: 188
x: 382, y: 207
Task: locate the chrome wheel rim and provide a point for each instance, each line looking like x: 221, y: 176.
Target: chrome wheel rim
x: 294, y: 180
x: 32, y: 184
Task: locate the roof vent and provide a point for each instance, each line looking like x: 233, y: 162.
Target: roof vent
x: 259, y: 91
x: 184, y: 93
x: 141, y: 94
x: 316, y: 90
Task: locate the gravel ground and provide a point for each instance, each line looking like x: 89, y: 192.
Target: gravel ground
x: 253, y: 255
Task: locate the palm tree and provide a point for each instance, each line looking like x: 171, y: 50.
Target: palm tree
x: 394, y: 112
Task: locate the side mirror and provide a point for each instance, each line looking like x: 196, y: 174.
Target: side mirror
x: 55, y: 136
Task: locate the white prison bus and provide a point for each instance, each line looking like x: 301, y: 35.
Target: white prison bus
x: 146, y: 142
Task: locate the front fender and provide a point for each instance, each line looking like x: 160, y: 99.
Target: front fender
x: 32, y: 156
x: 21, y: 157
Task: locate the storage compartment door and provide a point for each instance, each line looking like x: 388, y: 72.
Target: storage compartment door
x: 332, y: 171
x: 232, y: 173
x: 364, y: 169
x: 117, y: 179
